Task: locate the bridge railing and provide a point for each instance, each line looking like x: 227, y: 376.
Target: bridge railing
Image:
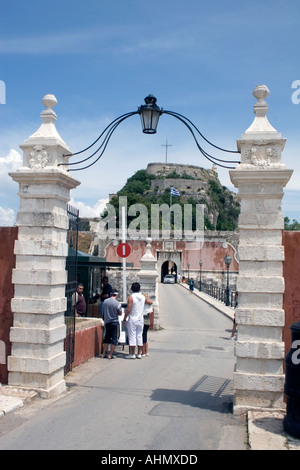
x: 219, y: 293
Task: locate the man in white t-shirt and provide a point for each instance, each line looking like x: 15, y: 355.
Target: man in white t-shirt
x: 135, y: 320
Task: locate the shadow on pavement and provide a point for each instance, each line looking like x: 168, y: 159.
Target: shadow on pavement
x: 211, y: 393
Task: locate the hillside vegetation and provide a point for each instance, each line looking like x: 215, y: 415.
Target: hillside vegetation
x: 221, y: 208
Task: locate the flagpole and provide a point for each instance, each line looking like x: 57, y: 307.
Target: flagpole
x: 174, y: 192
x: 170, y: 207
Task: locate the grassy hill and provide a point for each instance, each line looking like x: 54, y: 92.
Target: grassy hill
x: 221, y: 208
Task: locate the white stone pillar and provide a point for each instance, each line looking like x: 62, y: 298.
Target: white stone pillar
x: 37, y: 360
x: 148, y: 280
x: 260, y: 179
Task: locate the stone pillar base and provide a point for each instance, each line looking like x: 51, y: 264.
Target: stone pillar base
x: 55, y: 386
x: 257, y: 400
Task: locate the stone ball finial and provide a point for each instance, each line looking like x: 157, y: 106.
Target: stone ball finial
x: 49, y: 101
x: 261, y: 123
x: 261, y: 92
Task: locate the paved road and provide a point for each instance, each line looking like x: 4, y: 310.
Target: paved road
x: 178, y: 398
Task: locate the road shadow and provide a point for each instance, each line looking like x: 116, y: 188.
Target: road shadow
x: 210, y: 393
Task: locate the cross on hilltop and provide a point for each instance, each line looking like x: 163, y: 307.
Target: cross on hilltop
x: 166, y: 145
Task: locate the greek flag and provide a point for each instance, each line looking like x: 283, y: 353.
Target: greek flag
x: 174, y: 192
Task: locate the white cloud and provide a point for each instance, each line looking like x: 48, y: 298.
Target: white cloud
x: 89, y: 211
x: 11, y: 162
x: 8, y: 164
x: 7, y: 217
x: 8, y: 188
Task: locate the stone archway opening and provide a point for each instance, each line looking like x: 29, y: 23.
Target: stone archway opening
x: 44, y: 189
x: 168, y: 267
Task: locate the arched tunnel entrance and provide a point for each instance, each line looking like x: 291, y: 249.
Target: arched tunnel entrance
x: 168, y: 267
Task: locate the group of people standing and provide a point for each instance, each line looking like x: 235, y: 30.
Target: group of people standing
x: 137, y: 320
x: 79, y: 303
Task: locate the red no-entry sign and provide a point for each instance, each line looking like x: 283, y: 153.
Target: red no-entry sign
x: 123, y: 250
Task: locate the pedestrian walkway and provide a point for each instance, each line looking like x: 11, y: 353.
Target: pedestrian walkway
x: 264, y: 428
x: 228, y: 311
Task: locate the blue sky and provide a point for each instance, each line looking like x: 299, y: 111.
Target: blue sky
x: 100, y: 59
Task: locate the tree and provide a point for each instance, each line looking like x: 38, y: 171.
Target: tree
x: 293, y: 226
x: 221, y: 201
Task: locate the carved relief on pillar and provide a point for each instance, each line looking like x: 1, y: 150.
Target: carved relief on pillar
x: 45, y: 148
x: 261, y: 145
x: 38, y: 157
x: 262, y: 154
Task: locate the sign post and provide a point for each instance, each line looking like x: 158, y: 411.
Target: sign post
x: 123, y: 251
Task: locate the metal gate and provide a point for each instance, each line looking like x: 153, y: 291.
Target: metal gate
x: 71, y: 268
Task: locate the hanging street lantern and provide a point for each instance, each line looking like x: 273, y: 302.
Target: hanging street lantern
x: 149, y: 114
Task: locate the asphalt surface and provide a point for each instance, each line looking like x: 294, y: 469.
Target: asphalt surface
x: 178, y: 398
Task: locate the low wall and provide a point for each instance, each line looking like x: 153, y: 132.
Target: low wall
x: 291, y: 273
x: 88, y: 339
x: 8, y: 236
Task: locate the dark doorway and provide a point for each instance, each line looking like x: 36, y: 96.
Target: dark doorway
x: 168, y: 267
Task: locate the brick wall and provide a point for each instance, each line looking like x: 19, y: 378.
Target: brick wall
x: 88, y: 340
x: 8, y: 236
x: 291, y: 272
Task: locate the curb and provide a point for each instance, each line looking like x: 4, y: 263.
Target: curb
x: 266, y: 432
x: 13, y: 398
